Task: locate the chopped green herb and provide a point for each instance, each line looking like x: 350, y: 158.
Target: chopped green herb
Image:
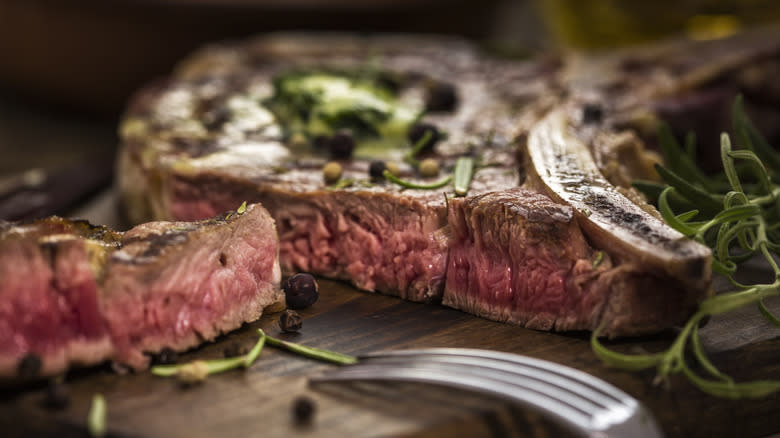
x: 242, y: 208
x: 214, y: 366
x: 464, y: 171
x: 410, y: 185
x: 341, y: 184
x: 318, y: 103
x: 599, y: 258
x: 312, y: 352
x: 96, y: 418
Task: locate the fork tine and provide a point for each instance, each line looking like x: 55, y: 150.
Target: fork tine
x: 586, y: 404
x: 595, y: 389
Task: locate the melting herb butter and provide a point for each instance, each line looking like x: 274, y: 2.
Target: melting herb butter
x: 320, y: 104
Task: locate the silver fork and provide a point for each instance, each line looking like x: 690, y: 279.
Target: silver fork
x: 587, y: 405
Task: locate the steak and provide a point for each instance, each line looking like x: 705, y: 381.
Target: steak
x: 210, y: 136
x: 78, y: 294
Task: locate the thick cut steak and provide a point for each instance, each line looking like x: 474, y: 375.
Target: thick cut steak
x: 206, y: 138
x: 74, y: 293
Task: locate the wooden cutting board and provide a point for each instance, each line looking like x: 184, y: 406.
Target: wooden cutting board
x: 258, y: 401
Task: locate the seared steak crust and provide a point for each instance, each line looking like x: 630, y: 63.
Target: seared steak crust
x: 73, y: 293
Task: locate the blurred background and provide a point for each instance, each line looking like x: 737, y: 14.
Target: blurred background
x: 67, y: 67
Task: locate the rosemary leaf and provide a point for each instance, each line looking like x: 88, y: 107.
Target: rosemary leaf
x: 410, y: 185
x: 698, y: 352
x: 749, y: 137
x: 708, y: 203
x: 312, y: 352
x: 767, y: 314
x: 215, y: 366
x: 755, y: 389
x: 623, y: 361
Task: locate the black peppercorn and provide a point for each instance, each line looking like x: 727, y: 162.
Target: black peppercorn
x: 57, y: 395
x: 303, y: 410
x: 166, y: 356
x: 341, y: 145
x: 300, y: 291
x: 376, y: 169
x: 441, y: 96
x: 290, y: 321
x: 592, y: 113
x: 419, y: 131
x: 29, y: 366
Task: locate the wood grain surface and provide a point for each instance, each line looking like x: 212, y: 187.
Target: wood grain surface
x: 258, y: 401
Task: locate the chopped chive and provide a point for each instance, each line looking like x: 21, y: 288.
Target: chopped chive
x: 340, y: 184
x: 410, y: 157
x: 96, y: 418
x: 599, y: 258
x: 312, y: 352
x: 464, y: 171
x: 215, y: 366
x: 409, y: 185
x: 242, y: 208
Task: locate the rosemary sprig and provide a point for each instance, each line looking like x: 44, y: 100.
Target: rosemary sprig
x: 312, y: 352
x: 212, y: 366
x: 198, y: 370
x: 736, y: 214
x: 410, y: 185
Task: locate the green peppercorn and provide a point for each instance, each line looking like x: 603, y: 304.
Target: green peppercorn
x: 393, y: 168
x: 428, y: 167
x: 331, y: 172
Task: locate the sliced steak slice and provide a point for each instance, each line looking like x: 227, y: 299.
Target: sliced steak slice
x: 517, y: 256
x: 75, y: 294
x: 49, y: 294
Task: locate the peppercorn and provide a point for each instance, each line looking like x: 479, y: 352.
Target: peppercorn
x: 193, y: 372
x: 303, y: 410
x: 166, y: 356
x: 29, y: 366
x: 393, y: 168
x: 290, y: 321
x: 441, y: 96
x: 376, y: 169
x: 331, y: 172
x: 428, y: 167
x: 57, y: 395
x: 300, y: 291
x: 418, y: 131
x: 297, y: 140
x: 592, y: 113
x: 341, y: 144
